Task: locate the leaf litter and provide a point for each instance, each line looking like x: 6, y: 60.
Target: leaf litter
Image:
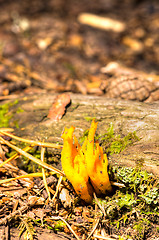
x: 28, y: 202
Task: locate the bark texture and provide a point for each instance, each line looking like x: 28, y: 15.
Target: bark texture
x: 126, y: 116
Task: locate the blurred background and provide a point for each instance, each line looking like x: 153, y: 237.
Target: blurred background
x: 50, y: 46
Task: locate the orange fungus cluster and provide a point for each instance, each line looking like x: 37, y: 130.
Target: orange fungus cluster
x: 85, y: 166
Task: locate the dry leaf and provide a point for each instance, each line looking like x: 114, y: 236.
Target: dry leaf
x: 66, y: 198
x: 58, y: 107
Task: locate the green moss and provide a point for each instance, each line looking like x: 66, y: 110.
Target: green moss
x: 133, y: 178
x: 59, y: 226
x: 19, y: 110
x: 114, y: 143
x: 89, y: 119
x: 85, y: 134
x: 142, y: 227
x: 28, y: 165
x: 111, y: 142
x: 16, y: 124
x: 136, y: 203
x: 6, y: 114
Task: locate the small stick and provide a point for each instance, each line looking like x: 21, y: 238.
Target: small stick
x: 7, y: 232
x: 7, y: 129
x: 15, y: 205
x: 8, y: 97
x: 121, y: 185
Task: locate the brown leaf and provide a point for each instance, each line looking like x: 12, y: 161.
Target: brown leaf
x: 66, y: 198
x: 58, y: 107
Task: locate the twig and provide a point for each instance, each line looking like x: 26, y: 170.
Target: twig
x: 62, y: 219
x: 7, y: 129
x: 8, y: 97
x: 7, y: 232
x: 15, y: 205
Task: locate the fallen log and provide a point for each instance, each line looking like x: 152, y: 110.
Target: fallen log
x: 126, y: 117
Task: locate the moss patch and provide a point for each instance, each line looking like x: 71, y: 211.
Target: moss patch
x: 111, y: 142
x: 6, y: 114
x: 134, y: 205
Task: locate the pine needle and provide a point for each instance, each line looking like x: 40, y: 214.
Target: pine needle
x: 30, y: 175
x: 32, y: 142
x: 14, y: 156
x: 57, y: 187
x: 44, y: 174
x: 32, y: 158
x: 62, y: 219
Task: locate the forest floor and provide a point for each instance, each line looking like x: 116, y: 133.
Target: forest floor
x: 45, y: 48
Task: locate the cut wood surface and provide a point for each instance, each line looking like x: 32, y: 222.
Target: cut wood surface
x: 126, y: 117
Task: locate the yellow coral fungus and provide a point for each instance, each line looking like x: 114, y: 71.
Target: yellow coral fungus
x: 86, y: 166
x: 97, y: 164
x: 73, y: 164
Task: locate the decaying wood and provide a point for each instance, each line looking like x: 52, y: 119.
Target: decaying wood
x: 126, y: 117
